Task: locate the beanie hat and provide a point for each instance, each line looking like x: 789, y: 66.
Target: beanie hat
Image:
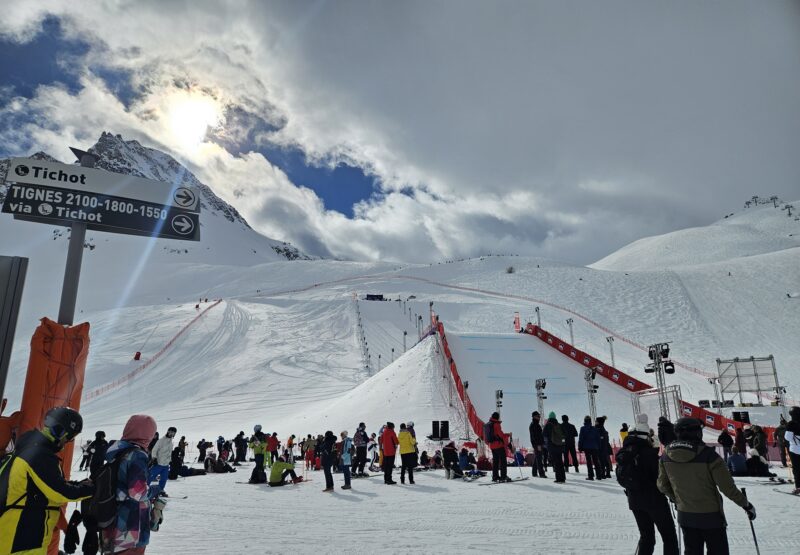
x: 640, y: 429
x: 140, y: 430
x: 535, y: 413
x: 551, y: 415
x: 641, y: 418
x: 496, y: 415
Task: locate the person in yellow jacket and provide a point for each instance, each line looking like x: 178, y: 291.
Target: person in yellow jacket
x: 408, y: 454
x: 32, y: 487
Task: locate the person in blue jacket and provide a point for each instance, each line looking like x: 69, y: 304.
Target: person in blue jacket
x: 589, y: 445
x: 737, y: 464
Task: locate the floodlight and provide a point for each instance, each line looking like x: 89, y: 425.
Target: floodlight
x: 664, y: 350
x: 669, y: 367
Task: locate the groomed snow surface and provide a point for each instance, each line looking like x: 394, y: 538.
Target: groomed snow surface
x: 433, y: 516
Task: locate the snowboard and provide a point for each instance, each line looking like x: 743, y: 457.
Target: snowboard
x: 498, y: 483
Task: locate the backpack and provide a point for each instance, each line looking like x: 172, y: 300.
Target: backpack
x: 102, y: 506
x: 488, y: 432
x: 629, y: 471
x: 5, y: 472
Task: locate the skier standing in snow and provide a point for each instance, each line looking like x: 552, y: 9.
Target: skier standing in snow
x: 86, y: 455
x: 130, y: 531
x: 792, y: 438
x: 258, y: 443
x: 690, y: 473
x: 589, y: 445
x: 372, y: 451
x: 33, y: 486
x: 637, y: 472
x: 623, y: 432
x: 726, y: 441
x: 360, y: 440
x: 162, y: 456
x: 554, y: 438
x: 201, y: 447
x: 605, y: 448
x: 389, y: 443
x: 570, y: 434
x: 347, y: 447
x: 240, y: 442
x: 408, y: 454
x: 328, y: 453
x: 740, y: 441
x: 272, y: 448
x: 497, y: 441
x: 537, y: 444
x: 780, y: 440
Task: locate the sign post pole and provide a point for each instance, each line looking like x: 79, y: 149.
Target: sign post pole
x: 72, y: 272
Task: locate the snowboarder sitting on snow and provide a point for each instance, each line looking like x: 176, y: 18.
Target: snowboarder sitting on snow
x: 758, y: 466
x: 280, y: 471
x: 737, y: 463
x: 452, y: 469
x: 217, y: 466
x: 424, y: 460
x: 463, y: 460
x: 436, y: 461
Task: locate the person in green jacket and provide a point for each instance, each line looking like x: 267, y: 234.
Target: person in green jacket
x: 280, y: 471
x: 689, y: 474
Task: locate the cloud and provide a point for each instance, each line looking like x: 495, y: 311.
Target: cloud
x: 553, y: 129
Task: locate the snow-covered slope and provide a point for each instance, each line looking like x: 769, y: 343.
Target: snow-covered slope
x: 131, y: 262
x: 759, y: 229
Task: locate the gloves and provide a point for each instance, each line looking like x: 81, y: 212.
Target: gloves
x: 71, y: 537
x: 751, y: 511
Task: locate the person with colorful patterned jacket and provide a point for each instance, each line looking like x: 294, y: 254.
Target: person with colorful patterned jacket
x: 129, y: 534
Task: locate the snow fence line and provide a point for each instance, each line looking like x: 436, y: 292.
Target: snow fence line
x: 621, y: 379
x: 103, y: 389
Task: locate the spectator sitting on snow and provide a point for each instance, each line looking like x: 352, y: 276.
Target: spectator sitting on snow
x: 450, y: 460
x: 737, y: 464
x: 463, y: 460
x: 280, y: 471
x: 424, y: 460
x: 758, y: 466
x: 218, y: 466
x: 437, y: 461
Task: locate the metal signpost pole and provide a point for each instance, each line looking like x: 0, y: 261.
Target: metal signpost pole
x: 571, y: 335
x: 72, y: 271
x: 538, y: 317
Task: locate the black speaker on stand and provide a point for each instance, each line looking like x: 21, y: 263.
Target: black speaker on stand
x: 444, y: 429
x: 435, y: 434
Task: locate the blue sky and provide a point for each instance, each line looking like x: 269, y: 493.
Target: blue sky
x: 532, y: 128
x: 46, y: 60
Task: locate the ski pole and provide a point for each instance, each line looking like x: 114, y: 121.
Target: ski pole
x: 672, y: 508
x: 752, y: 528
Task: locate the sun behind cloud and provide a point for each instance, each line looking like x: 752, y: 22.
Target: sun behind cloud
x: 188, y: 116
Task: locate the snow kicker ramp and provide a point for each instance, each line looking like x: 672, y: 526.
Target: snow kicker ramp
x: 513, y: 363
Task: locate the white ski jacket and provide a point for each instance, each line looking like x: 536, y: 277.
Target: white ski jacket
x: 162, y: 451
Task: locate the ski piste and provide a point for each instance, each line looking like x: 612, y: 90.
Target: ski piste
x: 786, y: 492
x: 504, y: 482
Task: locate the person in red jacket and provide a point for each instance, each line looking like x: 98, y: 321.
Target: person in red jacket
x: 498, y: 446
x: 389, y: 444
x: 272, y: 447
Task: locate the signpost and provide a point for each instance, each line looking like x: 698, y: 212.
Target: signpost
x: 83, y: 197
x: 12, y: 279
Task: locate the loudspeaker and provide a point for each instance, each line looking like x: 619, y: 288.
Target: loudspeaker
x: 444, y: 429
x: 435, y: 433
x: 741, y: 416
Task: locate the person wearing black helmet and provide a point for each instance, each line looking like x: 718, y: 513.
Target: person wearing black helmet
x: 690, y: 474
x: 34, y: 488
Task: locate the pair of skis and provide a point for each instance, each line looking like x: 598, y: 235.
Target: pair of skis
x: 504, y: 482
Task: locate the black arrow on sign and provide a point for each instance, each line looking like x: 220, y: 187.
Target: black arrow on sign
x: 184, y: 197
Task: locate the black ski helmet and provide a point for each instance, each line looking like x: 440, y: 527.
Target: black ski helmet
x: 794, y: 413
x: 63, y: 423
x: 689, y: 428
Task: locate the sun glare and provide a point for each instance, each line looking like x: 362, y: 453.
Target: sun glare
x: 189, y: 116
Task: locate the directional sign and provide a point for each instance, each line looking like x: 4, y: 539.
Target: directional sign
x: 89, y: 180
x: 100, y: 212
x: 184, y: 198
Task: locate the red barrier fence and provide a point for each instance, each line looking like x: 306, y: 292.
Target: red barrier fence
x: 472, y: 416
x: 103, y: 389
x: 621, y: 379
